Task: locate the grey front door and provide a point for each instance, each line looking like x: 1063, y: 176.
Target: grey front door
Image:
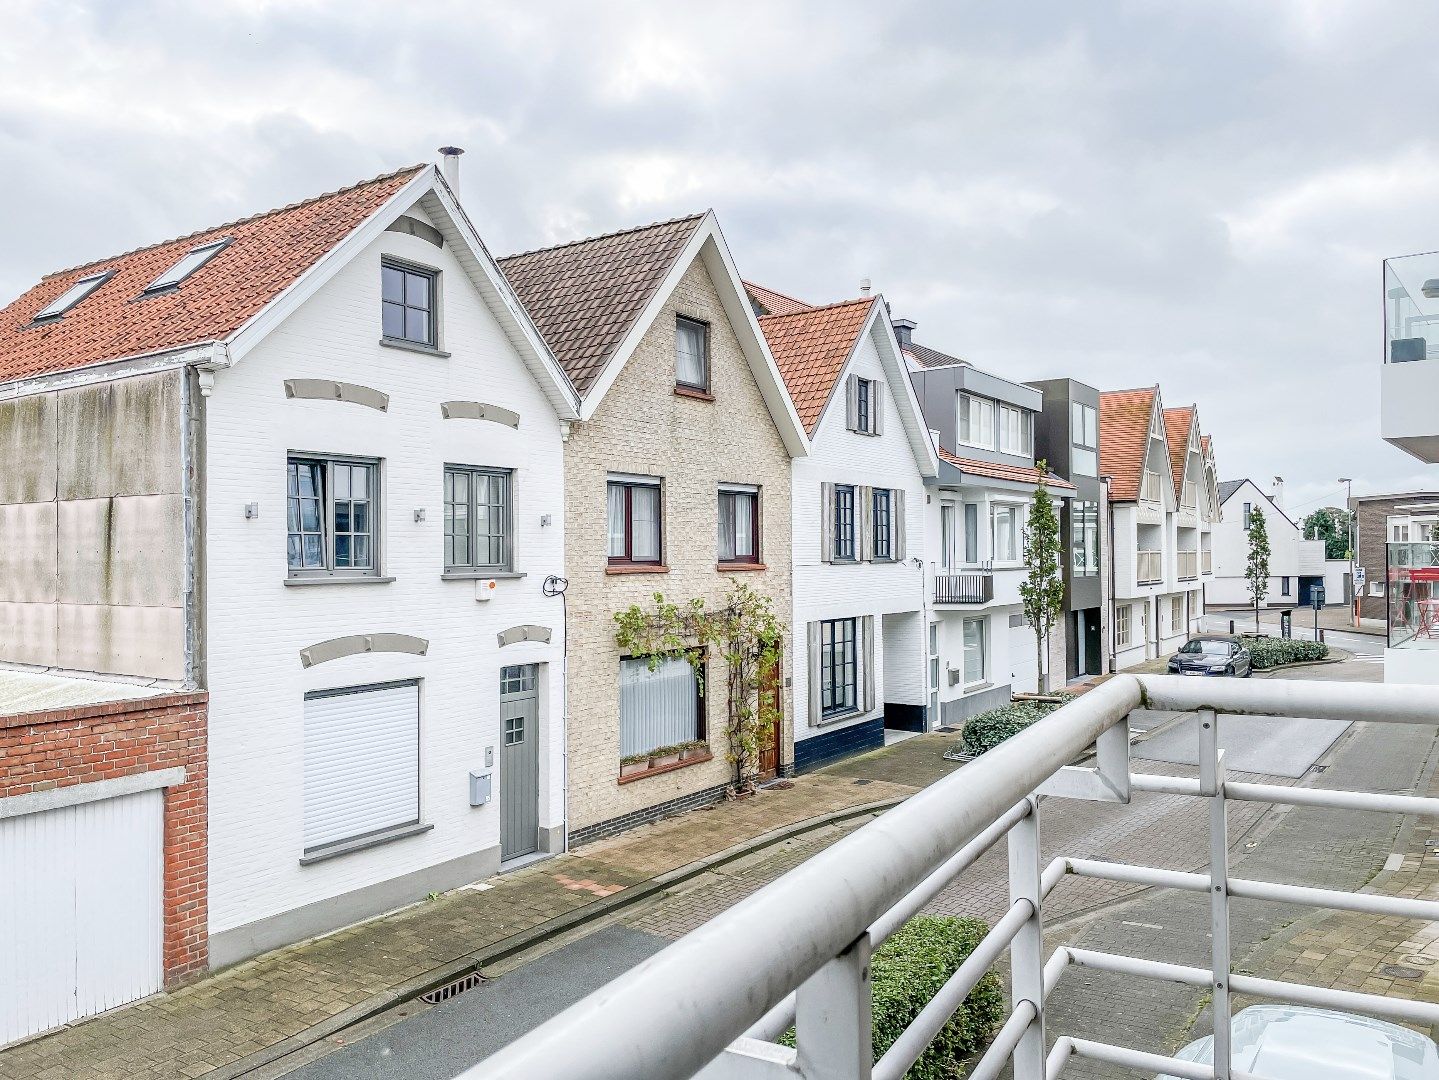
x: 519, y: 760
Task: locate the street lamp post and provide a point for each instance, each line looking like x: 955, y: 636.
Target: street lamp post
x: 1349, y: 538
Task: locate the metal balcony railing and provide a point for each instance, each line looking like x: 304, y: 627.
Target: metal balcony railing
x: 1188, y: 565
x: 970, y: 587
x: 796, y: 953
x: 1149, y: 568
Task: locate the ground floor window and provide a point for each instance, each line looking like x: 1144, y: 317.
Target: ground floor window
x: 838, y: 666
x: 362, y: 763
x: 659, y: 707
x: 1284, y: 586
x: 1176, y: 612
x: 1121, y: 626
x: 974, y: 648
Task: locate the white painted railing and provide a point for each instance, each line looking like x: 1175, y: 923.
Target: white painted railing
x: 796, y: 954
x: 1149, y: 567
x: 1187, y: 565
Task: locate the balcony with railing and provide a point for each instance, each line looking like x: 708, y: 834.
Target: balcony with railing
x: 963, y: 587
x: 1151, y: 488
x: 795, y: 955
x: 1187, y: 564
x: 1409, y: 381
x: 1149, y: 567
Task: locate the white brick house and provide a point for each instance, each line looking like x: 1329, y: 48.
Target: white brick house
x: 860, y: 606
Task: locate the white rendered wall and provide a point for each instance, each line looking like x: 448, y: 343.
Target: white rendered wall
x: 257, y: 625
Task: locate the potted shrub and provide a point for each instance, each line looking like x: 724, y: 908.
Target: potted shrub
x: 634, y: 763
x: 691, y: 750
x: 665, y: 755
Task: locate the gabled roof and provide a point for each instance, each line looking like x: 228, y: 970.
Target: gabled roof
x: 1178, y: 423
x: 266, y: 255
x: 996, y: 471
x: 774, y: 303
x: 924, y: 356
x: 586, y: 295
x: 1125, y: 417
x: 1229, y: 487
x: 812, y: 347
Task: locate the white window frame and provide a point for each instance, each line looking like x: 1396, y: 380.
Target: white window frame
x: 1123, y: 625
x: 965, y: 651
x: 1176, y: 612
x: 1015, y: 429
x: 1014, y: 512
x: 974, y: 409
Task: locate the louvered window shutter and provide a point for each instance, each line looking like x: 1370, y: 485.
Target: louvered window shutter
x: 867, y: 661
x: 826, y: 523
x: 864, y: 524
x: 851, y: 403
x: 899, y: 531
x: 812, y: 662
x: 876, y: 407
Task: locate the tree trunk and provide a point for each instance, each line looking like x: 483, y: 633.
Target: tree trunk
x: 1256, y: 616
x: 1041, y: 679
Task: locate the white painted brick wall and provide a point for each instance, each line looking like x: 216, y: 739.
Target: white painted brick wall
x: 257, y: 626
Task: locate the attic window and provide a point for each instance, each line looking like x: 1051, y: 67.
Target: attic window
x: 73, y: 295
x: 186, y: 266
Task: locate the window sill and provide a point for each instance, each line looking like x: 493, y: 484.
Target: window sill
x: 346, y: 847
x: 974, y: 688
x: 841, y: 717
x: 656, y: 770
x: 413, y: 346
x: 637, y: 568
x: 693, y: 392
x: 358, y: 579
x: 739, y: 567
x: 480, y: 575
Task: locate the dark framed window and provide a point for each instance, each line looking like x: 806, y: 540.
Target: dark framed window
x: 660, y: 705
x: 844, y: 522
x: 407, y: 303
x: 692, y: 354
x: 882, y: 517
x: 332, y: 516
x: 1284, y: 586
x: 634, y: 521
x: 838, y: 666
x: 739, y: 525
x: 478, y: 519
x: 864, y: 405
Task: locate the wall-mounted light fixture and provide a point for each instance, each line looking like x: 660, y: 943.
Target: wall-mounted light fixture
x: 252, y: 511
x: 420, y: 514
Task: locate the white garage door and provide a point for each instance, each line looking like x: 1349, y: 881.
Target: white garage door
x: 1023, y: 663
x: 81, y: 911
x: 362, y: 762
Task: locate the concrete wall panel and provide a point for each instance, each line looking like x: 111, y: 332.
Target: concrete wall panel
x: 120, y: 438
x: 124, y: 551
x: 28, y: 563
x: 28, y: 633
x: 123, y: 640
x: 27, y: 449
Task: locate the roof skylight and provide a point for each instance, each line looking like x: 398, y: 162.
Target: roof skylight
x: 73, y: 295
x: 186, y: 266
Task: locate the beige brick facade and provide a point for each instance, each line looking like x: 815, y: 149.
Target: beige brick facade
x: 643, y: 427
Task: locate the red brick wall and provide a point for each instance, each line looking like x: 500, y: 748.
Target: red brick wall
x: 41, y: 751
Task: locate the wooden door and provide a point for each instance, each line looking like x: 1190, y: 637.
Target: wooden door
x: 771, y: 685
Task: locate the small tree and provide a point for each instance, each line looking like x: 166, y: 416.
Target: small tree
x: 746, y: 635
x: 1042, y: 591
x: 1256, y: 570
x: 1331, y: 525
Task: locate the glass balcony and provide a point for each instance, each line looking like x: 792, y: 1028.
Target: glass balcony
x: 1409, y: 387
x: 1412, y: 592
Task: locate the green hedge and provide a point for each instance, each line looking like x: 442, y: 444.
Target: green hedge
x: 987, y: 730
x: 1271, y: 652
x: 908, y: 970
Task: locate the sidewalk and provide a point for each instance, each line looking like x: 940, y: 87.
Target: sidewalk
x: 1334, y: 617
x: 256, y: 1012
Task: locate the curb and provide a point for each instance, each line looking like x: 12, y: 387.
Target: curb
x: 510, y: 946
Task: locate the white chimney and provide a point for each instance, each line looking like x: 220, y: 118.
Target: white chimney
x: 864, y: 286
x: 1277, y: 494
x: 450, y: 166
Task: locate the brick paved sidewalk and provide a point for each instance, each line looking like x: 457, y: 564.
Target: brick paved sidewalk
x: 258, y: 1005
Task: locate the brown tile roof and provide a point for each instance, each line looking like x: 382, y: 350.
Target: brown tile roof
x: 1177, y: 423
x: 585, y: 296
x: 997, y: 471
x: 1124, y: 417
x: 267, y: 253
x: 927, y: 357
x: 811, y: 348
x: 774, y: 303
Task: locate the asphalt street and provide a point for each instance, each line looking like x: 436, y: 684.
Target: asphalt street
x: 1280, y: 746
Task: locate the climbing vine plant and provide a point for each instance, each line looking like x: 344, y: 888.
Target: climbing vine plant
x: 746, y: 635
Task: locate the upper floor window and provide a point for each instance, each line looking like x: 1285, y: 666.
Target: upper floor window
x: 477, y: 519
x: 634, y: 519
x: 1005, y: 523
x: 843, y: 523
x: 1084, y: 434
x: 73, y: 295
x: 739, y: 524
x: 1084, y: 537
x: 863, y: 405
x: 692, y: 354
x: 976, y: 421
x: 1248, y: 510
x: 882, y: 517
x: 1015, y: 430
x: 407, y: 303
x: 331, y: 513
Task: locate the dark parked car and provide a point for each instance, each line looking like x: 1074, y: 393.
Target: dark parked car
x: 1212, y: 654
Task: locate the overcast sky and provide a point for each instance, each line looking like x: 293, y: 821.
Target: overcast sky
x: 1195, y: 194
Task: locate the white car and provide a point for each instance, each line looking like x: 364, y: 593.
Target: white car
x: 1293, y: 1042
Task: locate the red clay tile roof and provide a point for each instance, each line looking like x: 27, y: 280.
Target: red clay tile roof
x: 997, y: 471
x: 774, y: 303
x: 1124, y: 418
x: 1177, y: 423
x: 267, y: 253
x: 811, y: 348
x: 585, y: 296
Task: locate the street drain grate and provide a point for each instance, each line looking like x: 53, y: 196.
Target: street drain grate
x: 452, y: 988
x: 1396, y: 971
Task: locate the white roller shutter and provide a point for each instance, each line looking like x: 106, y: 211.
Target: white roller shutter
x: 362, y: 762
